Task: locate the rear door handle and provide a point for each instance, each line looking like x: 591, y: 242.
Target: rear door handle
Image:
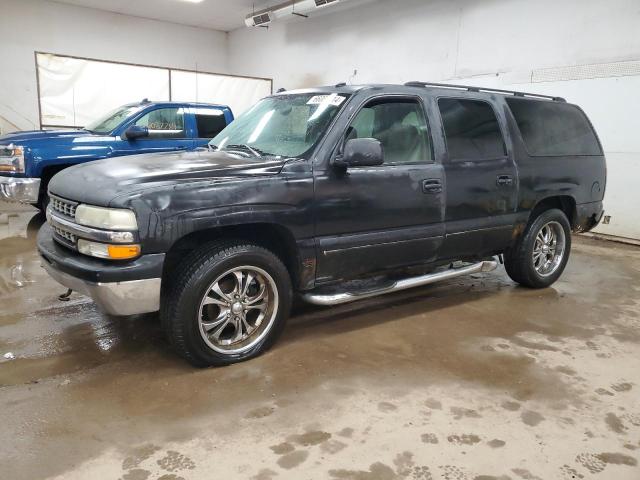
x: 504, y: 180
x: 431, y: 185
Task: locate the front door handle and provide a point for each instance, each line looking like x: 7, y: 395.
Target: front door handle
x: 431, y: 185
x: 504, y: 180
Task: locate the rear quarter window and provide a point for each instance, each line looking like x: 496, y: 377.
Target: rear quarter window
x: 554, y: 128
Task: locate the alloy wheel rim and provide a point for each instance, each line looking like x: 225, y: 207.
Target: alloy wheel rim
x: 238, y: 309
x: 548, y: 248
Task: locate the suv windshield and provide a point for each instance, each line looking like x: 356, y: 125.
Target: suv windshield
x: 114, y: 118
x: 282, y: 126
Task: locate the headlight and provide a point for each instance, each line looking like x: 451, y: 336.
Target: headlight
x: 11, y: 158
x: 106, y: 218
x: 111, y: 252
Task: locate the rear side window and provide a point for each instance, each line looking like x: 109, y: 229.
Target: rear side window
x: 210, y: 122
x: 471, y: 129
x: 553, y: 128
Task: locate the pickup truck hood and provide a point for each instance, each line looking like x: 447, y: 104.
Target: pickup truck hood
x: 24, y: 138
x: 98, y: 183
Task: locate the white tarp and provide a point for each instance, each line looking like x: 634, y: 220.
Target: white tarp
x: 75, y: 91
x: 239, y: 93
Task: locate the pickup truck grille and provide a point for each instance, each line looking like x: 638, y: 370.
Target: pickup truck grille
x: 65, y: 207
x: 66, y: 238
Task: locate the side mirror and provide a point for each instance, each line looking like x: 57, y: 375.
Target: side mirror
x: 361, y: 152
x: 135, y: 131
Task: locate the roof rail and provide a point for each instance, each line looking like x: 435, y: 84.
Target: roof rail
x: 484, y: 89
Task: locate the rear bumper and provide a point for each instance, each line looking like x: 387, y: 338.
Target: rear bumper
x: 118, y: 288
x: 23, y: 190
x: 588, y: 216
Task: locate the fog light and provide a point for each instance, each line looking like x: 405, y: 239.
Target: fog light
x: 104, y: 250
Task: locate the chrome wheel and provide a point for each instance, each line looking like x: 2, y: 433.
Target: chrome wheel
x: 549, y: 248
x: 238, y: 309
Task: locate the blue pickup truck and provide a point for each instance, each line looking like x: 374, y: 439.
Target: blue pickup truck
x: 28, y: 160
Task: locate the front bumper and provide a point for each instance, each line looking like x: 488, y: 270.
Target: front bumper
x: 16, y: 189
x: 118, y: 288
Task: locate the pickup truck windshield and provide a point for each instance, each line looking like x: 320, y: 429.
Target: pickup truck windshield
x: 281, y: 126
x: 114, y: 118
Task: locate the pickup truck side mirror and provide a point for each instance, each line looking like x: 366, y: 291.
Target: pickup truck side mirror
x: 135, y: 131
x: 361, y: 152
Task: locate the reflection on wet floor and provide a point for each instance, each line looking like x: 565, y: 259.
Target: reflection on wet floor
x: 434, y: 360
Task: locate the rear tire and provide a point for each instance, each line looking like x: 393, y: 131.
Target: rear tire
x: 226, y: 302
x: 541, y: 254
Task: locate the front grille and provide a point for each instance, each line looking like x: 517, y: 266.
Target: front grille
x: 66, y: 238
x: 65, y: 207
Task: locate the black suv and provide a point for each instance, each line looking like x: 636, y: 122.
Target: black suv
x: 334, y: 193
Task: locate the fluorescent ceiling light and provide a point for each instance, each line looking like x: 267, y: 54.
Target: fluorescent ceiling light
x: 193, y: 1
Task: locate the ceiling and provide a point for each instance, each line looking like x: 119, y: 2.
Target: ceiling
x: 222, y: 15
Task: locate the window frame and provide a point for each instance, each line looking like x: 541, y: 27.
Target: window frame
x: 501, y: 128
x: 576, y: 107
x: 420, y: 101
x: 185, y: 112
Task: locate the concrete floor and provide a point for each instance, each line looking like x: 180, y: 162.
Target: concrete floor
x: 472, y: 379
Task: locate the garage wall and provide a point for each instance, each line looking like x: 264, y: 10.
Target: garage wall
x: 519, y: 44
x: 401, y: 40
x: 37, y: 25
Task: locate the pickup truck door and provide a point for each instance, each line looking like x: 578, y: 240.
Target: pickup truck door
x: 170, y: 129
x: 481, y: 177
x: 371, y: 219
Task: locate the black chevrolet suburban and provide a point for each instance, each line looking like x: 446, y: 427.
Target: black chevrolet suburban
x: 334, y: 194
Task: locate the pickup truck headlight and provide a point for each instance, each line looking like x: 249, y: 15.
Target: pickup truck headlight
x: 111, y: 252
x: 11, y: 158
x: 106, y: 218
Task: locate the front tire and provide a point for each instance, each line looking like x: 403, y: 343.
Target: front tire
x: 226, y: 302
x: 541, y: 255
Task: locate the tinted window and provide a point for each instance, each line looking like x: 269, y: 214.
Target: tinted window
x: 471, y: 129
x: 164, y: 123
x: 209, y: 121
x: 400, y: 126
x: 554, y: 128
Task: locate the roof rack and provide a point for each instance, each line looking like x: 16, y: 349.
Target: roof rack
x: 484, y: 89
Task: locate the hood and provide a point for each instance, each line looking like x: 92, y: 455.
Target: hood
x: 100, y: 182
x: 23, y: 138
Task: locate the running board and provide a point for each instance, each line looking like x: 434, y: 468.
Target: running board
x: 346, y: 297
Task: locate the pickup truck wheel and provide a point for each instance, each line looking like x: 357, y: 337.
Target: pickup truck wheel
x: 541, y: 255
x: 228, y: 302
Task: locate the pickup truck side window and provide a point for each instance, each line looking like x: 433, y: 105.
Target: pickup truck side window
x: 553, y: 128
x: 164, y: 123
x: 210, y: 122
x: 401, y: 127
x: 471, y: 129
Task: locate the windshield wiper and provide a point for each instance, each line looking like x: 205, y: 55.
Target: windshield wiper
x: 211, y: 147
x: 255, y: 151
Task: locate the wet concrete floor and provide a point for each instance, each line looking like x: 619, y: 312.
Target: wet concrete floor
x: 474, y: 378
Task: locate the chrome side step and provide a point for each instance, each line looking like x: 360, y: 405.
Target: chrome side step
x: 346, y: 297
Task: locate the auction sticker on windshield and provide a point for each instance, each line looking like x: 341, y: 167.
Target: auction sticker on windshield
x: 333, y: 99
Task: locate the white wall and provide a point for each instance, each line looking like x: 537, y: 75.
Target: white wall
x: 499, y: 43
x: 38, y: 25
x: 401, y: 40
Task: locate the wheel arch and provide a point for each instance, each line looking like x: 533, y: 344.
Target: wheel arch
x: 272, y: 236
x: 565, y: 203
